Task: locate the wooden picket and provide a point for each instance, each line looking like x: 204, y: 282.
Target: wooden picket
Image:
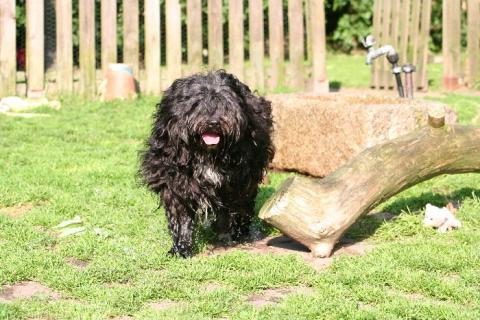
x: 215, y: 34
x: 319, y: 50
x: 473, y: 42
x: 276, y: 43
x: 235, y: 37
x: 8, y: 51
x: 451, y: 44
x: 256, y: 43
x: 87, y: 47
x: 131, y: 37
x: 194, y: 35
x: 35, y: 49
x: 174, y: 40
x: 296, y: 43
x: 109, y: 33
x: 64, y: 58
x: 74, y: 71
x: 152, y: 46
x: 404, y: 24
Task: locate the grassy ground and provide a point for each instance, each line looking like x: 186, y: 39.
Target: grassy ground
x: 82, y: 161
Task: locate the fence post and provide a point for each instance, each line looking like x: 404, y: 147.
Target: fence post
x: 35, y: 49
x: 194, y: 35
x: 215, y: 34
x: 451, y: 44
x: 295, y: 32
x: 64, y: 63
x: 109, y: 33
x: 131, y: 38
x: 421, y: 75
x: 235, y: 39
x: 473, y: 42
x: 256, y: 43
x: 377, y: 34
x: 317, y: 15
x: 385, y: 72
x: 276, y: 43
x: 8, y: 63
x: 152, y: 46
x: 174, y: 40
x: 87, y: 47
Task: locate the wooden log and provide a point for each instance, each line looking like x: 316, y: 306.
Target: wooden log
x: 236, y: 56
x: 256, y: 49
x: 317, y: 212
x: 276, y: 43
x: 8, y: 63
x: 319, y: 51
x: 87, y: 47
x: 35, y: 49
x: 64, y: 63
x: 131, y: 35
x: 295, y: 41
x: 194, y: 35
x: 152, y: 47
x: 215, y: 34
x: 109, y: 33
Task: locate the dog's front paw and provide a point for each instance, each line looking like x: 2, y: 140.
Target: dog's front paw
x: 181, y: 251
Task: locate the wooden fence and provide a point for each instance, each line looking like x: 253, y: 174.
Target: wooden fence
x: 404, y: 24
x: 65, y: 77
x: 454, y: 74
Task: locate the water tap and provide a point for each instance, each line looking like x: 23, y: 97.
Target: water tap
x: 373, y: 53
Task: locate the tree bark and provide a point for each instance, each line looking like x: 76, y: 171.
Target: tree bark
x: 317, y: 212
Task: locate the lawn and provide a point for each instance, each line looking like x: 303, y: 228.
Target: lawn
x: 82, y: 160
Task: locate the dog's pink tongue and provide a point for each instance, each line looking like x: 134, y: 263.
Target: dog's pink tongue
x: 210, y: 138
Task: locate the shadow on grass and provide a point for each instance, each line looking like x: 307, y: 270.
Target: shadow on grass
x: 366, y: 226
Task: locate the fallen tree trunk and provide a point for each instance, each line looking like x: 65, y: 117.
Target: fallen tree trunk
x: 317, y: 212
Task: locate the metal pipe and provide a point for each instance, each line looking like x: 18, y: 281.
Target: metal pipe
x: 375, y: 53
x: 408, y: 69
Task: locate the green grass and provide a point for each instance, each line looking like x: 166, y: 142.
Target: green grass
x: 82, y: 161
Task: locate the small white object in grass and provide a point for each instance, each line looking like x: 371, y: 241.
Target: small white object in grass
x: 75, y: 220
x: 71, y: 231
x: 101, y: 232
x: 440, y: 218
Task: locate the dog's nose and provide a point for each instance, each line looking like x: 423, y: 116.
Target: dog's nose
x: 214, y: 123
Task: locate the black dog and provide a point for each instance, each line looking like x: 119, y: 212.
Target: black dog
x: 207, y: 153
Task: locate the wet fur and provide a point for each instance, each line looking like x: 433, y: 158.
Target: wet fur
x: 193, y: 179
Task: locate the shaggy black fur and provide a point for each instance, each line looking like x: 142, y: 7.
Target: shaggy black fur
x: 209, y: 147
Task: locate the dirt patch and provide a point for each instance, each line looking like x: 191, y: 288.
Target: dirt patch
x: 17, y: 210
x: 211, y: 287
x: 26, y: 290
x: 273, y: 296
x: 285, y: 245
x: 452, y: 278
x: 164, y: 304
x: 81, y: 264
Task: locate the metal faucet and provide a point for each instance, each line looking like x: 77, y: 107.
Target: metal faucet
x: 373, y: 53
x: 391, y: 55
